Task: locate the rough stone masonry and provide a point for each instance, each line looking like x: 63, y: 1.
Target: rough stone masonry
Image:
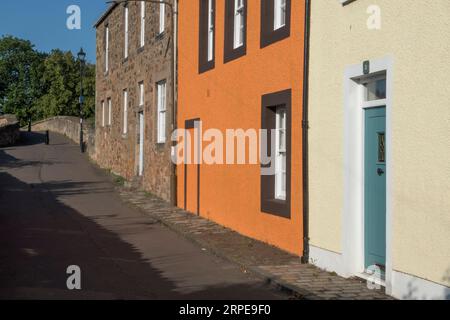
x: 149, y: 65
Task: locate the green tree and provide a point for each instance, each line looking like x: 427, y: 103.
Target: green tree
x: 35, y: 85
x: 61, y: 80
x: 20, y: 77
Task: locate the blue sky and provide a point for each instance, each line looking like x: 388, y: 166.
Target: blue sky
x: 43, y: 22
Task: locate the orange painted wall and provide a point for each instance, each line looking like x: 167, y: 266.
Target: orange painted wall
x: 229, y: 96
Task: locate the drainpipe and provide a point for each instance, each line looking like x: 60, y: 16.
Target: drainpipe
x: 305, y: 134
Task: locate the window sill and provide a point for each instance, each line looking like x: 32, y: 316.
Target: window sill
x: 279, y: 208
x: 160, y: 36
x: 275, y: 36
x: 234, y: 54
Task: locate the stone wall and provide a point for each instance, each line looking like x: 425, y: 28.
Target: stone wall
x: 70, y: 127
x: 149, y: 64
x: 9, y: 130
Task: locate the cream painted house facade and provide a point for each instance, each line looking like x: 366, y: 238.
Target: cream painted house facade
x: 390, y: 58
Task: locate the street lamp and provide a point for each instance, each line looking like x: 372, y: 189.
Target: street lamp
x: 82, y: 60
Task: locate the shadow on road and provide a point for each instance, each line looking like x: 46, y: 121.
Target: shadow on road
x: 41, y: 236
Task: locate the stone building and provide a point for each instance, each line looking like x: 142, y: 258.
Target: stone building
x: 134, y: 99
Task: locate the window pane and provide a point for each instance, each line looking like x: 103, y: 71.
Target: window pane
x: 381, y: 147
x: 162, y: 14
x: 376, y: 90
x: 283, y: 162
x: 125, y: 112
x: 103, y: 113
x: 109, y: 112
x: 238, y: 23
x: 107, y: 49
x: 280, y: 14
x: 126, y: 33
x: 161, y: 100
x: 210, y: 31
x: 280, y: 164
x: 142, y: 23
x: 282, y: 140
x: 141, y: 94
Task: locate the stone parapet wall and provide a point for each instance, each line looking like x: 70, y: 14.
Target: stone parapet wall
x: 9, y: 130
x: 70, y: 127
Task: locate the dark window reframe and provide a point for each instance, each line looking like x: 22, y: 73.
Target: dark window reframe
x: 270, y: 102
x: 203, y: 63
x: 230, y: 53
x: 268, y: 34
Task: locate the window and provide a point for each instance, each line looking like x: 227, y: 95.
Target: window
x: 210, y: 31
x: 235, y: 29
x: 109, y: 112
x: 376, y: 89
x: 125, y: 111
x: 161, y: 101
x: 142, y: 36
x: 280, y: 154
x: 275, y: 21
x: 103, y: 113
x: 125, y: 53
x: 276, y: 175
x: 206, y: 35
x: 279, y: 14
x: 238, y: 23
x: 141, y: 94
x: 106, y: 49
x: 162, y: 17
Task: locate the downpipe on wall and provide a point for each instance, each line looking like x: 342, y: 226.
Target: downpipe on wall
x: 305, y: 133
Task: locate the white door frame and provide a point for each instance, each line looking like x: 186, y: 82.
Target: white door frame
x: 353, y: 215
x: 141, y: 143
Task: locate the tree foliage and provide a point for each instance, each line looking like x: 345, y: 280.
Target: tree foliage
x: 36, y: 85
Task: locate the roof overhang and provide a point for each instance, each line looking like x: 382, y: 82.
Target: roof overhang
x: 106, y: 14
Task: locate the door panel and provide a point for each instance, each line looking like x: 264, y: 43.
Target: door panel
x: 192, y: 179
x: 141, y: 143
x: 375, y: 187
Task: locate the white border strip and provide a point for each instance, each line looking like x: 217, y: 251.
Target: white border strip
x: 408, y: 287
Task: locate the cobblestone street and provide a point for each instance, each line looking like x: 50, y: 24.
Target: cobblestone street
x: 274, y: 265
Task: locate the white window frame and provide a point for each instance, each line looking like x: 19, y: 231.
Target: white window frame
x: 161, y: 99
x: 106, y: 49
x: 142, y: 35
x: 109, y: 111
x: 279, y: 20
x: 141, y: 94
x: 162, y: 18
x: 103, y: 113
x: 210, y: 31
x: 280, y: 154
x: 125, y: 54
x: 238, y: 34
x: 125, y: 111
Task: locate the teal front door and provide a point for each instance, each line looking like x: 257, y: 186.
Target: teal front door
x: 375, y: 187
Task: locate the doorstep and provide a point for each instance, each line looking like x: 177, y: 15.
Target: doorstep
x: 277, y: 267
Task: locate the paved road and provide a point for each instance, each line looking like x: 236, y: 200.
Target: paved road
x: 57, y: 210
